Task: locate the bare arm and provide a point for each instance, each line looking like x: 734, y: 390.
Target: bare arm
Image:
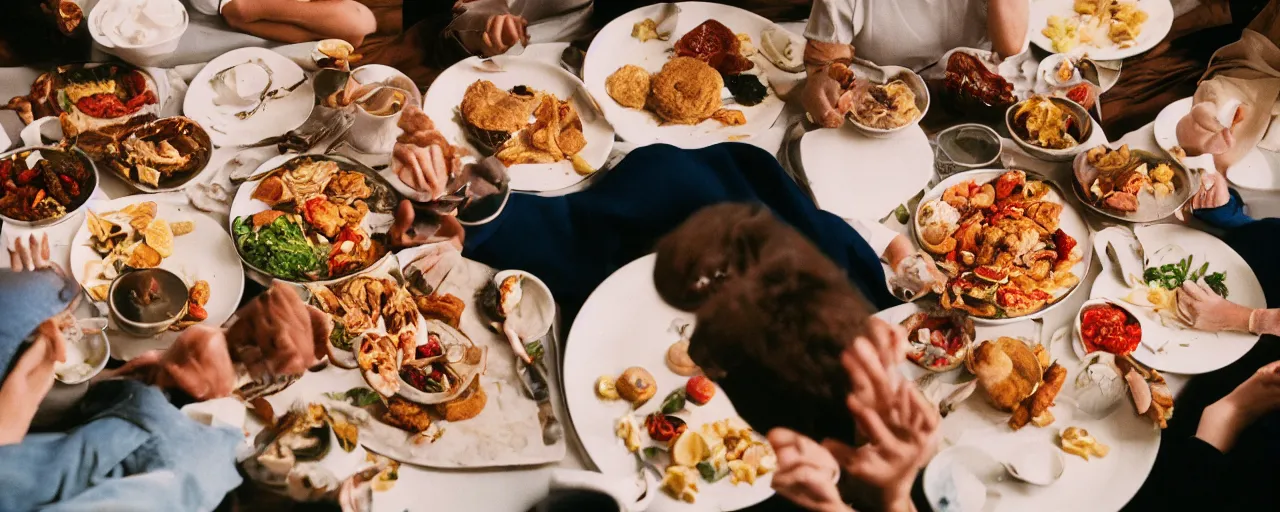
x: 348, y: 20
x: 1007, y: 25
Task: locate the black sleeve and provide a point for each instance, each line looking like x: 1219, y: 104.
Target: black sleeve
x: 1187, y: 476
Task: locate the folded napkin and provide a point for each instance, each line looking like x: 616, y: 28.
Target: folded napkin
x: 573, y: 242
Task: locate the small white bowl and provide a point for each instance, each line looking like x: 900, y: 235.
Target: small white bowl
x: 1077, y: 344
x: 96, y: 350
x: 536, y: 295
x: 149, y: 54
x: 1073, y: 109
x: 917, y: 86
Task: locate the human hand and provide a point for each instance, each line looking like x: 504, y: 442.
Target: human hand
x: 404, y: 233
x: 899, y: 425
x: 30, y: 253
x: 807, y: 473
x: 1213, y: 193
x: 1225, y: 419
x: 29, y: 381
x: 277, y: 334
x: 198, y: 363
x: 503, y: 31
x: 821, y: 99
x: 423, y: 169
x: 1201, y: 132
x: 1205, y: 310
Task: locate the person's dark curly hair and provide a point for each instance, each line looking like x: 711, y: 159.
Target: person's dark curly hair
x: 771, y: 331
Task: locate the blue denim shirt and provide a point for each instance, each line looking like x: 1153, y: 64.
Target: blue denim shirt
x: 131, y: 450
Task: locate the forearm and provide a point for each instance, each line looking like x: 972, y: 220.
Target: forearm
x: 817, y: 55
x: 1264, y: 321
x: 897, y: 251
x: 1007, y: 25
x: 1221, y: 424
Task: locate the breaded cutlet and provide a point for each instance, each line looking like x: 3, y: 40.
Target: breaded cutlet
x: 685, y: 91
x: 629, y: 86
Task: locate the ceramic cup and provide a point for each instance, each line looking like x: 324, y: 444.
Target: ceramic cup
x: 372, y: 133
x: 172, y: 301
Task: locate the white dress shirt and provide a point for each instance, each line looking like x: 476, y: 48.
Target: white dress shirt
x: 908, y: 33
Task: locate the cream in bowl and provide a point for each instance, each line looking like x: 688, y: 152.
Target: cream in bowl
x: 87, y: 351
x: 137, y: 23
x: 146, y: 302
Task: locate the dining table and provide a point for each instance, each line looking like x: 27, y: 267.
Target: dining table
x: 517, y: 488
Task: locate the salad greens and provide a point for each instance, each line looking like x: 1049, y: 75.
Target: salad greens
x: 359, y: 397
x: 280, y: 248
x: 1170, y: 276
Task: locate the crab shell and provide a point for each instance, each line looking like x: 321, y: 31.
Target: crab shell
x: 968, y: 332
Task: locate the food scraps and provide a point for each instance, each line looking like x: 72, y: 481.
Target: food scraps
x: 1041, y: 122
x: 939, y: 342
x: 1077, y: 441
x: 43, y: 184
x: 636, y: 385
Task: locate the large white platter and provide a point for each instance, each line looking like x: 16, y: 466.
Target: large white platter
x: 1253, y: 171
x: 625, y: 323
x: 1187, y: 350
x: 445, y: 95
x: 1159, y: 21
x: 614, y: 47
x: 843, y: 173
x: 206, y: 253
x: 277, y: 117
x: 1098, y: 484
x: 1070, y: 221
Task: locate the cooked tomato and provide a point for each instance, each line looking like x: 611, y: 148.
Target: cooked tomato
x: 1063, y: 243
x: 1109, y: 328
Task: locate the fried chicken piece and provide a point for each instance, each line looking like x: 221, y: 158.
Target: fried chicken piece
x: 355, y: 213
x: 1007, y: 370
x: 465, y: 407
x: 629, y: 86
x: 347, y: 186
x: 1045, y: 214
x: 487, y: 107
x: 406, y: 415
x: 686, y: 91
x: 730, y: 117
x: 325, y: 216
x: 443, y: 307
x: 1039, y: 402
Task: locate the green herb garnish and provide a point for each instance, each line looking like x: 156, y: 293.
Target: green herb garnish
x: 1171, y: 276
x: 338, y: 337
x: 281, y: 249
x: 1217, y: 282
x: 359, y: 397
x: 674, y: 402
x: 709, y: 472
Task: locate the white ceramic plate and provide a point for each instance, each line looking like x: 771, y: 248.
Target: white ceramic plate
x: 625, y: 323
x: 445, y: 95
x: 277, y: 117
x: 244, y: 205
x: 1070, y: 221
x: 1187, y: 350
x: 1098, y: 484
x: 1253, y: 171
x: 614, y: 47
x: 1160, y: 19
x: 206, y: 253
x: 836, y: 160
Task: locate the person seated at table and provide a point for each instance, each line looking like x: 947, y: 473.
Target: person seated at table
x: 573, y: 242
x: 1219, y: 450
x: 123, y: 445
x: 1173, y: 69
x: 43, y: 33
x: 294, y: 21
x: 781, y: 330
x: 909, y: 33
x: 1236, y: 103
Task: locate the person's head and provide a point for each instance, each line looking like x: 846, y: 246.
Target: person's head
x: 771, y: 332
x: 713, y: 245
x: 37, y: 306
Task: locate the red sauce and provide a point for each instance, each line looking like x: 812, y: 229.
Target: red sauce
x: 1109, y: 328
x: 715, y: 44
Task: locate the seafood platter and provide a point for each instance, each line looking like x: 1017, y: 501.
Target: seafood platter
x: 109, y: 112
x: 1025, y: 422
x: 643, y: 409
x: 423, y: 378
x: 311, y: 218
x: 536, y: 118
x: 1142, y: 270
x: 1006, y: 240
x: 883, y: 99
x: 1101, y: 29
x: 1132, y: 185
x: 691, y: 74
x: 145, y: 233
